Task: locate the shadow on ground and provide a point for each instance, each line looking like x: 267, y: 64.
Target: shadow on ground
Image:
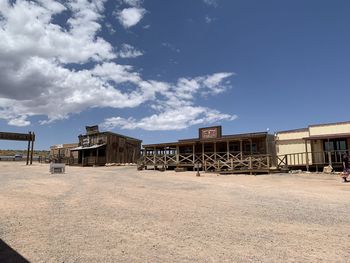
x: 9, y: 255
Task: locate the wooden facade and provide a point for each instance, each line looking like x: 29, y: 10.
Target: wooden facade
x: 212, y: 151
x: 61, y: 153
x: 99, y: 148
x: 313, y: 147
x: 29, y: 137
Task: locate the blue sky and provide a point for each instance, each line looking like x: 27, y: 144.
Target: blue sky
x: 158, y: 70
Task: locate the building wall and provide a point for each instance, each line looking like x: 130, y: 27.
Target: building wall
x: 291, y: 142
x: 63, y: 150
x: 329, y: 129
x: 292, y: 135
x: 122, y: 150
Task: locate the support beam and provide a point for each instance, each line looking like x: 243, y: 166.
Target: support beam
x: 177, y: 154
x: 32, y: 151
x: 96, y: 160
x: 228, y: 149
x: 251, y: 146
x: 203, y: 156
x: 154, y: 158
x: 307, y: 156
x: 241, y: 148
x: 194, y: 153
x: 28, y: 149
x: 215, y: 151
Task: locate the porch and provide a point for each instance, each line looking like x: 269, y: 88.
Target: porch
x: 249, y: 153
x: 89, y: 156
x: 320, y: 151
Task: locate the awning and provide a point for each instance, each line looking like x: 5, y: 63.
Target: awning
x: 81, y: 148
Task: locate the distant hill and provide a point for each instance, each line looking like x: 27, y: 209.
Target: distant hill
x: 23, y: 152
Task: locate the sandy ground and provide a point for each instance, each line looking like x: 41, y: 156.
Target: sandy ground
x: 118, y: 214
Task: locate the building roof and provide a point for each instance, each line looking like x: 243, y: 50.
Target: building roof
x: 314, y: 125
x: 112, y: 133
x: 220, y: 139
x: 80, y: 148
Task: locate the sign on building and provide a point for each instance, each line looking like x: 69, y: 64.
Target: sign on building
x: 210, y: 133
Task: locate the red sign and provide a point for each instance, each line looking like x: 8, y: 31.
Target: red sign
x: 210, y: 132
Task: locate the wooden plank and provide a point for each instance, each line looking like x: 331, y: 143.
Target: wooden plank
x: 15, y: 136
x: 28, y: 149
x: 32, y: 150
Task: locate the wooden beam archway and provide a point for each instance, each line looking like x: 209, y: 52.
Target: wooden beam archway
x: 30, y: 137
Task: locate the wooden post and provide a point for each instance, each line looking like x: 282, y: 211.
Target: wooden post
x: 82, y: 158
x: 267, y: 152
x: 177, y: 154
x: 330, y: 158
x: 31, y: 153
x: 228, y: 149
x: 307, y: 156
x: 250, y: 164
x: 96, y: 160
x: 241, y: 148
x: 329, y: 155
x: 194, y: 154
x: 165, y: 157
x: 215, y: 151
x: 215, y: 162
x: 203, y: 154
x: 154, y: 157
x: 251, y: 146
x: 28, y: 150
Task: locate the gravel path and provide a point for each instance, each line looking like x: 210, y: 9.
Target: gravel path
x: 118, y: 214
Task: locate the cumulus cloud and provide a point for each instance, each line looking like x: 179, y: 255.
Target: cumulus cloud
x: 128, y: 51
x: 129, y: 17
x: 171, y: 119
x: 177, y: 110
x: 132, y: 2
x: 38, y: 76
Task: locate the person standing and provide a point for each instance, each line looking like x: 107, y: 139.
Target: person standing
x: 345, y: 161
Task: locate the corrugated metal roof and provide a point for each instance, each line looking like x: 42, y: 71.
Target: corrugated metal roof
x: 80, y: 148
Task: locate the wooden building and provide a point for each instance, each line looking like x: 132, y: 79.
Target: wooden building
x: 313, y: 147
x: 212, y: 151
x: 99, y: 148
x: 62, y: 153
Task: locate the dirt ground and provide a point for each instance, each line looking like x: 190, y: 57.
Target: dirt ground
x: 118, y: 214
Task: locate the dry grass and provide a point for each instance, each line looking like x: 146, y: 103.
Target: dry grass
x: 118, y: 214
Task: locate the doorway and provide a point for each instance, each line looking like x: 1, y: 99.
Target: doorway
x: 336, y: 147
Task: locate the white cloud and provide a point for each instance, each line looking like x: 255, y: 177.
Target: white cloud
x: 209, y: 19
x: 172, y: 47
x: 129, y: 17
x: 133, y: 2
x: 128, y: 51
x: 172, y: 119
x: 37, y: 78
x: 177, y: 110
x: 211, y: 2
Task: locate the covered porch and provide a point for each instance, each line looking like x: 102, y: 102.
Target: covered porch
x: 320, y: 151
x: 252, y: 153
x: 89, y: 156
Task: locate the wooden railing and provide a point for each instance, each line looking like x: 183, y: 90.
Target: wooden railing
x: 310, y: 158
x: 92, y: 161
x: 217, y: 161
